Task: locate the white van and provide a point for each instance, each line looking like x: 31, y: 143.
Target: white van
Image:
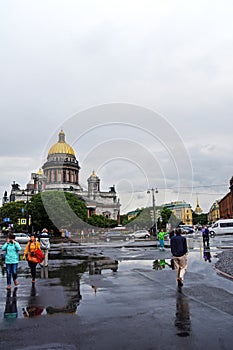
x: 222, y: 227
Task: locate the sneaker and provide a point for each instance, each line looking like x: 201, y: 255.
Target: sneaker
x: 180, y: 282
x: 16, y: 283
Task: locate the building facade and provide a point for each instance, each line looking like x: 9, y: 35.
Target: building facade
x: 61, y: 172
x: 225, y: 206
x: 214, y: 212
x: 182, y: 211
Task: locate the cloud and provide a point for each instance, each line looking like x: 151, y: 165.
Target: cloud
x: 60, y: 58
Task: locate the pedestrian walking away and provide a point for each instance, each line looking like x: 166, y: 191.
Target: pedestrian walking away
x: 29, y: 254
x: 161, y: 236
x: 11, y: 247
x: 205, y: 236
x: 179, y: 251
x: 45, y: 245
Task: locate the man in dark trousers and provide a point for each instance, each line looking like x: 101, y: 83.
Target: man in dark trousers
x: 179, y: 251
x: 45, y: 245
x: 205, y: 236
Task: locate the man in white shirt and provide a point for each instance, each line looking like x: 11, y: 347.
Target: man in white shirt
x: 45, y: 244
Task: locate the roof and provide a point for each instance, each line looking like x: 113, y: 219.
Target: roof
x: 61, y: 147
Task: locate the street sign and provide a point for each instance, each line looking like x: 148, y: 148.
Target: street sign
x: 23, y: 221
x: 6, y: 219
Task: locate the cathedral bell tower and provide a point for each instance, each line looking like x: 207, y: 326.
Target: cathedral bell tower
x: 93, y: 185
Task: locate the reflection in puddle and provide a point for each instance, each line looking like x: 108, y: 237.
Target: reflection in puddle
x: 207, y: 254
x: 11, y: 305
x: 158, y: 264
x: 182, y: 321
x: 96, y: 267
x: 32, y: 309
x: 69, y: 277
x: 163, y: 263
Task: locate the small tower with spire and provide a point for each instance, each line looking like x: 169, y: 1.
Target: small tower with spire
x: 198, y: 209
x: 93, y: 185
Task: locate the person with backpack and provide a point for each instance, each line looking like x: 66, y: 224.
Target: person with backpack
x: 11, y: 247
x: 45, y: 244
x: 29, y: 254
x: 205, y: 236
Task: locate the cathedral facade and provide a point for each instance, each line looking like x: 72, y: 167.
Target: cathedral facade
x: 61, y: 172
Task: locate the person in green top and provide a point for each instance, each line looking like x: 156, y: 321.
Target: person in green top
x: 161, y: 236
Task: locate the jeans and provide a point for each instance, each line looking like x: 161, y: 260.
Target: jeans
x: 161, y: 243
x: 11, y: 269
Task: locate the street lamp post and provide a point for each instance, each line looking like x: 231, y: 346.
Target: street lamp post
x: 153, y: 191
x: 27, y: 213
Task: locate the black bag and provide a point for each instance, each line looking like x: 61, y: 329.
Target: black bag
x: 3, y: 257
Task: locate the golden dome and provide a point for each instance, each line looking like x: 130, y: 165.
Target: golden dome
x: 61, y: 146
x: 39, y: 172
x: 93, y: 174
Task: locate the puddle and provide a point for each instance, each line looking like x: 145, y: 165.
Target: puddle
x: 62, y: 287
x: 157, y: 264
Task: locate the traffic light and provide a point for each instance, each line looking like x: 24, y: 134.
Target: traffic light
x: 18, y: 221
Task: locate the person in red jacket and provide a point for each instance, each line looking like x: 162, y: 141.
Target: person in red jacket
x: 29, y: 252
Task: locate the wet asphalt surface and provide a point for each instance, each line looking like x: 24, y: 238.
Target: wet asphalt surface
x: 119, y: 295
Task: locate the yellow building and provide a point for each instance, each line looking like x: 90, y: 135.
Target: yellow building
x: 182, y: 211
x: 214, y: 212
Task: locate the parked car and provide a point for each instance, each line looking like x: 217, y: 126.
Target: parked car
x: 21, y: 237
x: 114, y: 235
x: 186, y: 229
x: 140, y: 234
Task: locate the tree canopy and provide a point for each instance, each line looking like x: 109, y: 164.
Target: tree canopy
x: 52, y: 209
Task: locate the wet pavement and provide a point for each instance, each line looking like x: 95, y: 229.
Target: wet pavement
x: 113, y: 296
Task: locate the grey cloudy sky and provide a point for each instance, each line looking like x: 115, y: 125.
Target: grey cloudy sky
x: 60, y: 58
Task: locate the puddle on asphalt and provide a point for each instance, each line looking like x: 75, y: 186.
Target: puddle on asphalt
x: 69, y: 279
x: 158, y: 264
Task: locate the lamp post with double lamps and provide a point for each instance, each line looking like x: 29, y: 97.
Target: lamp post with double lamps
x: 25, y: 192
x: 153, y: 191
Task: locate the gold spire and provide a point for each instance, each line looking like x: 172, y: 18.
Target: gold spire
x: 93, y: 174
x: 198, y: 209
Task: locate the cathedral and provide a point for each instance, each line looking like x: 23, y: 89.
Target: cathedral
x: 61, y: 172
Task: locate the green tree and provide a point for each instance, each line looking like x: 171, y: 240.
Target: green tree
x: 168, y: 218
x: 201, y: 219
x: 101, y: 221
x: 145, y: 219
x: 52, y: 209
x: 124, y: 219
x: 56, y: 210
x: 14, y: 211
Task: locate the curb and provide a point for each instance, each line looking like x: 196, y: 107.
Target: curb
x: 223, y: 273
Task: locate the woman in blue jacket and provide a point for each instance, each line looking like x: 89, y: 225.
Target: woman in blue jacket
x: 11, y: 247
